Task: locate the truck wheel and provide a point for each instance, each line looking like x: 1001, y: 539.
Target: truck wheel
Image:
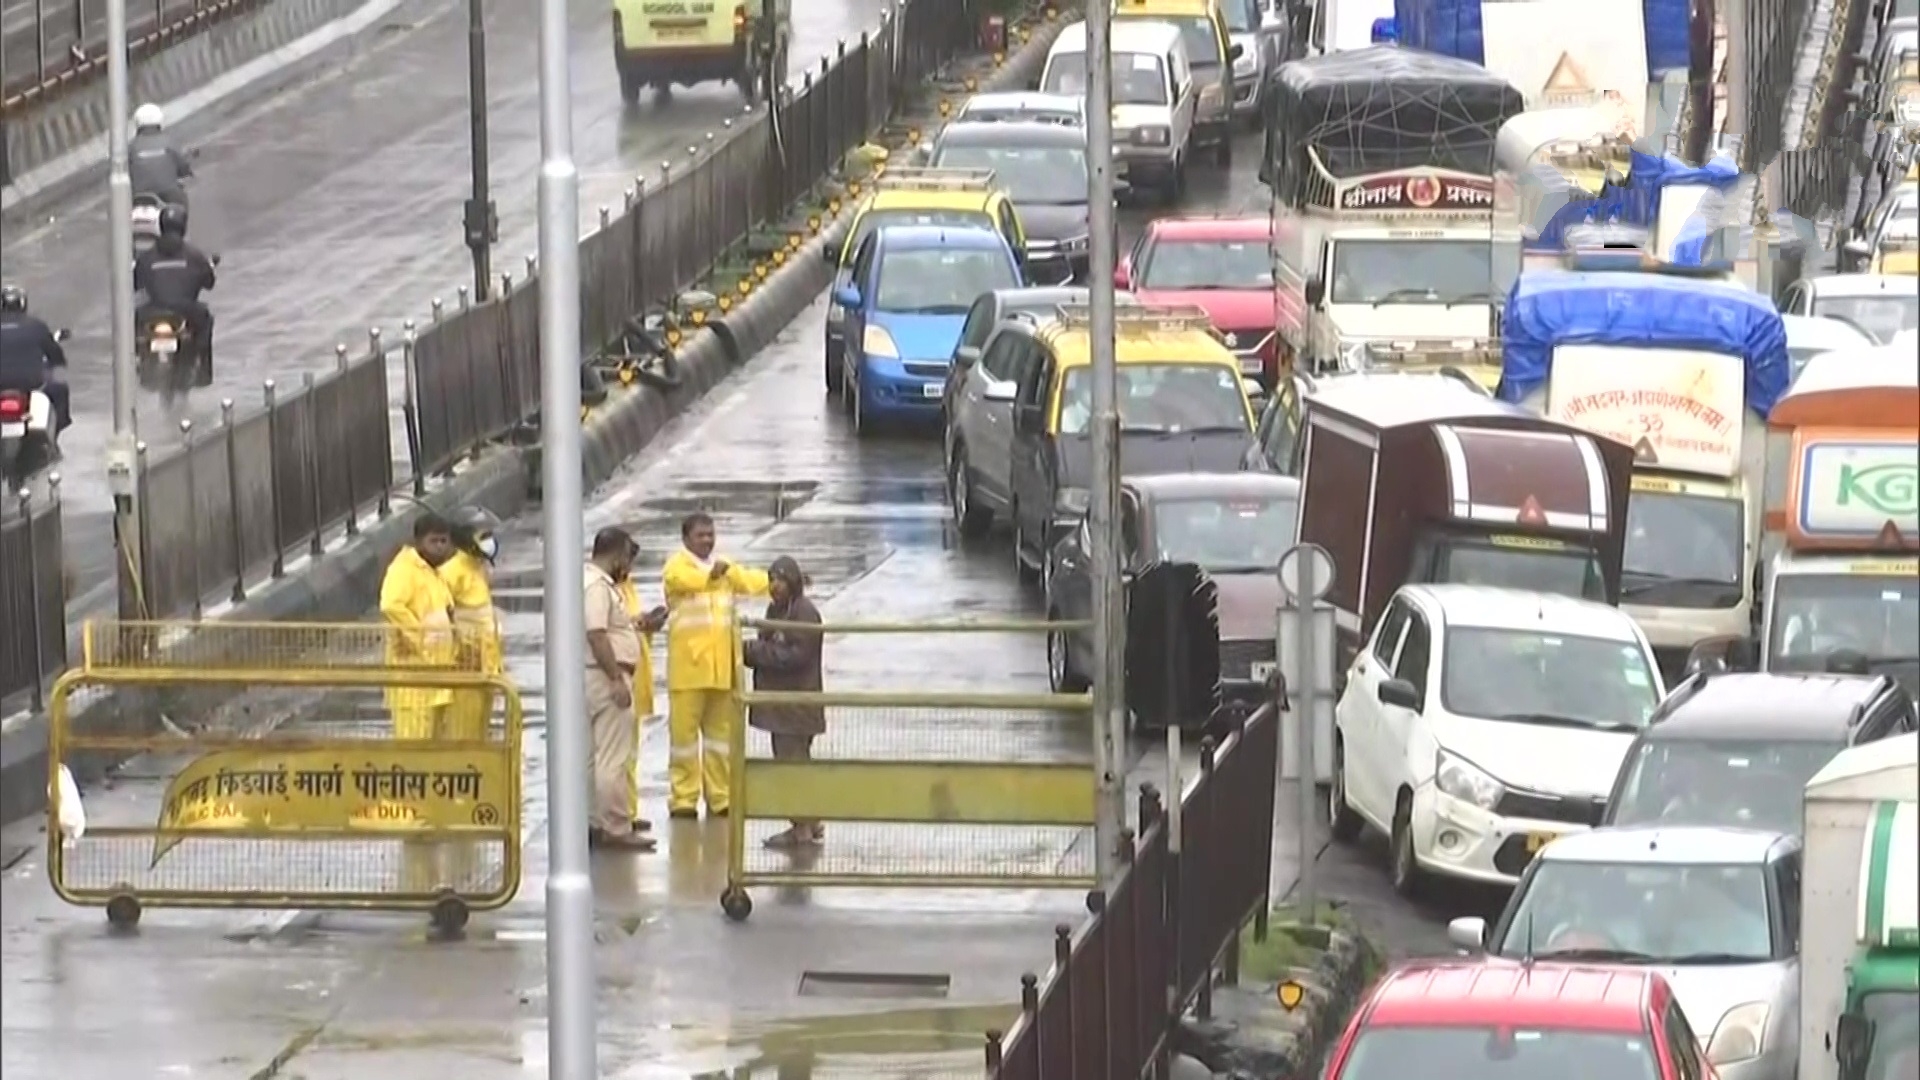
x: 630, y: 86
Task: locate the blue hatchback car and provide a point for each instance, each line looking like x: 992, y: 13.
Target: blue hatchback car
x: 906, y: 300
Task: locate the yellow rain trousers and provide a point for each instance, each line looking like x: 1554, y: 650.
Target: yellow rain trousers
x: 415, y: 601
x: 642, y: 693
x: 702, y: 663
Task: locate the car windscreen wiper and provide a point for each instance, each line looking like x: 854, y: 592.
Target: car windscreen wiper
x: 1655, y: 581
x: 1716, y: 958
x: 1556, y: 720
x: 1405, y: 294
x: 1470, y: 298
x: 1618, y: 956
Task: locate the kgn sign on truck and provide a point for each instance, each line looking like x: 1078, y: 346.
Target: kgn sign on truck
x: 1855, y: 489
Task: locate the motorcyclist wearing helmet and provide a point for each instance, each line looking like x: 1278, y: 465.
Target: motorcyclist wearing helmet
x: 30, y: 355
x: 172, y: 274
x: 154, y: 167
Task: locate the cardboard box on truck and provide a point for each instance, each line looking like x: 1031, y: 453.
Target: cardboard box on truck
x: 1433, y: 482
x: 1860, y: 915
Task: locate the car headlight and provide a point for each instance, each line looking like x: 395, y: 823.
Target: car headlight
x: 1070, y: 502
x: 876, y: 342
x: 1152, y: 136
x: 1740, y: 1035
x: 1460, y: 778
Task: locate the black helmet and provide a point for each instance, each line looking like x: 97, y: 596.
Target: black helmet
x: 473, y: 530
x: 173, y: 221
x: 13, y: 298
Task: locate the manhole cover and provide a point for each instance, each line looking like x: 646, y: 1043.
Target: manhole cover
x: 873, y: 984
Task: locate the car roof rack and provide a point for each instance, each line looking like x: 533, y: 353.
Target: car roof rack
x: 918, y: 178
x: 1142, y: 318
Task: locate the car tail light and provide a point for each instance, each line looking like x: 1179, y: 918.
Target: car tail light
x: 13, y: 405
x: 162, y: 329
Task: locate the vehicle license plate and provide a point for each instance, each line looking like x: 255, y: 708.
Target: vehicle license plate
x: 1538, y: 840
x: 1263, y: 670
x: 13, y: 431
x: 1251, y: 365
x: 933, y: 389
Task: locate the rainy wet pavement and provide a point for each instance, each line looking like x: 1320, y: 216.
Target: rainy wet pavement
x: 336, y: 207
x: 682, y: 992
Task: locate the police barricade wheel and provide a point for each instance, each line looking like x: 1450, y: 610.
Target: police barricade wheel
x: 450, y: 913
x: 736, y: 903
x: 123, y: 911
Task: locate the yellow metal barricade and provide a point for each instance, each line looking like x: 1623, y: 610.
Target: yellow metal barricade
x: 914, y: 785
x: 288, y: 765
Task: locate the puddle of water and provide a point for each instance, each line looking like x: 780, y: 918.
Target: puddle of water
x: 793, y: 1049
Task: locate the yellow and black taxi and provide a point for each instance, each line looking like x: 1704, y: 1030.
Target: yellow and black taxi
x: 668, y: 43
x: 1183, y: 408
x: 1212, y: 55
x: 912, y: 196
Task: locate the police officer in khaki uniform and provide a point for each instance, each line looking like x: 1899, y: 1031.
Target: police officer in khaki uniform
x: 613, y: 657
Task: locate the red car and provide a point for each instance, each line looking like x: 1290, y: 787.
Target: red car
x: 1222, y: 264
x: 1464, y: 1020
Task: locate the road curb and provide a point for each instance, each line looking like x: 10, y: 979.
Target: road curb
x: 60, y: 145
x: 1268, y: 1042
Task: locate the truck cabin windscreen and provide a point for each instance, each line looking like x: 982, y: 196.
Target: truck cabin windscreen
x: 1539, y: 564
x: 1411, y: 269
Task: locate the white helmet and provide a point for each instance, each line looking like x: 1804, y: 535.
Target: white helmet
x: 148, y: 116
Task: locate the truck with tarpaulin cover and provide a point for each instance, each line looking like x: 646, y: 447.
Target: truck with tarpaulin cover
x: 1433, y: 482
x: 1684, y: 371
x: 1860, y: 916
x: 1843, y: 461
x: 1380, y: 164
x: 1556, y: 52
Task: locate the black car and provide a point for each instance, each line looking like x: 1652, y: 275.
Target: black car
x: 1738, y: 749
x: 1043, y: 169
x: 1234, y: 525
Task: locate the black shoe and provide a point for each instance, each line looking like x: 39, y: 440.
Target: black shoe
x: 641, y: 824
x: 716, y: 812
x: 680, y: 814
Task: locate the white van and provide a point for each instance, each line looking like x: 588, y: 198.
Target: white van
x: 1153, y: 98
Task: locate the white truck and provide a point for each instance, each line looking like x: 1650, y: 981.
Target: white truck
x: 1382, y: 226
x: 1684, y: 371
x: 1860, y: 916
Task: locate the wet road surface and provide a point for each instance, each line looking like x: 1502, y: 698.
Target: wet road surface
x: 336, y: 207
x: 682, y: 992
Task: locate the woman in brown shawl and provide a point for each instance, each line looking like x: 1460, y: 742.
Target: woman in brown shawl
x: 784, y: 659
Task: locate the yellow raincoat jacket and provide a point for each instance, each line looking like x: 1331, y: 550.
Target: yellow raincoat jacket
x: 643, y: 671
x: 415, y: 601
x: 477, y: 633
x: 701, y: 646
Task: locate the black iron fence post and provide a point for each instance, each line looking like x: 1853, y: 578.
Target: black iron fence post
x: 273, y: 470
x: 235, y: 533
x: 33, y: 599
x: 192, y: 513
x: 378, y: 349
x: 410, y: 407
x: 343, y: 430
x: 310, y: 452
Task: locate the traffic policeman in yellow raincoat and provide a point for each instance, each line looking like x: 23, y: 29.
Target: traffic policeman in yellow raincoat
x: 702, y: 662
x: 643, y: 698
x: 416, y: 603
x: 468, y: 573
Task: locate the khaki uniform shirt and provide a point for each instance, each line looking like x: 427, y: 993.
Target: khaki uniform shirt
x: 606, y: 611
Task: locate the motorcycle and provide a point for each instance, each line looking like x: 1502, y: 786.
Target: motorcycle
x: 169, y: 354
x: 146, y: 222
x: 28, y: 433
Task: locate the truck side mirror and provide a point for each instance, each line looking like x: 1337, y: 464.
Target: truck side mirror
x: 1853, y: 1041
x: 1316, y: 290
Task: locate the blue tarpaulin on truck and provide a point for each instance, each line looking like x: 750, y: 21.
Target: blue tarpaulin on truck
x: 1448, y: 27
x: 1637, y: 201
x: 1552, y: 308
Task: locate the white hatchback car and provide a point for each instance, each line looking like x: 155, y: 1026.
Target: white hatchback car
x: 1479, y: 724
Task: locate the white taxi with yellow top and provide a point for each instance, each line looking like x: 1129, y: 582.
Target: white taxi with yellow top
x: 1211, y: 53
x: 1183, y: 408
x: 668, y: 43
x: 1479, y: 724
x: 914, y: 196
x: 1153, y: 98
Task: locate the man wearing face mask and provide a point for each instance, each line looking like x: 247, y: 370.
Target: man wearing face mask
x: 468, y: 573
x: 613, y: 658
x: 416, y: 604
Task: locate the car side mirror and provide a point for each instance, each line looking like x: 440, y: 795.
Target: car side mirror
x: 62, y: 334
x: 1122, y: 186
x: 1855, y: 255
x: 1398, y: 692
x: 999, y: 391
x: 1316, y: 290
x: 1852, y: 1042
x: 1468, y: 932
x: 847, y: 296
x: 965, y: 355
x: 830, y: 254
x: 1718, y: 655
x: 1236, y: 51
x: 1123, y: 276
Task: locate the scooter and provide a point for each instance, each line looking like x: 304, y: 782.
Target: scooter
x: 146, y: 222
x: 28, y: 435
x: 168, y: 354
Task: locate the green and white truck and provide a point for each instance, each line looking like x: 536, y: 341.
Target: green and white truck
x: 1860, y: 916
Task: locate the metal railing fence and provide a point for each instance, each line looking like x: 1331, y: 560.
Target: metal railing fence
x: 33, y: 596
x: 63, y: 41
x: 239, y: 498
x: 1154, y: 941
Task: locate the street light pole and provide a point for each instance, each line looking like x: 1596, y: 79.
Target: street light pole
x: 481, y: 222
x: 571, y: 1050
x: 121, y: 451
x: 1109, y: 606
